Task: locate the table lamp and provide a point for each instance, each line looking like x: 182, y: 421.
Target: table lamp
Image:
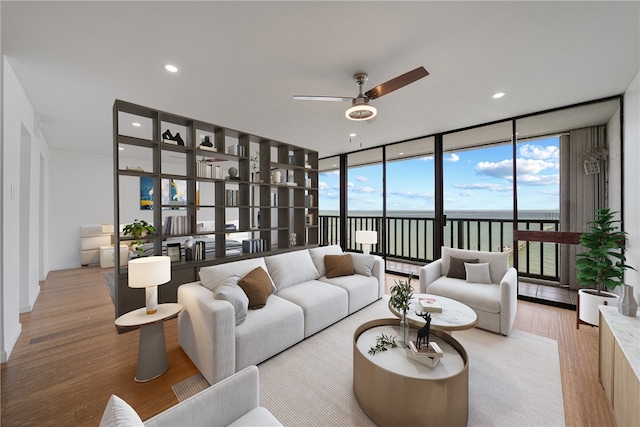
x: 367, y: 238
x: 148, y: 273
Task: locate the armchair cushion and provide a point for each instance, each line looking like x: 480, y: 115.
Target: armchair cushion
x: 477, y: 272
x: 456, y: 267
x: 119, y: 413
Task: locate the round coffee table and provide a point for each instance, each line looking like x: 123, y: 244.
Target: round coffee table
x: 393, y: 390
x: 455, y: 316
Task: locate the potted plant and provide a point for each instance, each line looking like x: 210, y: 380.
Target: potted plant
x: 255, y: 166
x: 401, y: 294
x: 601, y: 267
x: 138, y: 229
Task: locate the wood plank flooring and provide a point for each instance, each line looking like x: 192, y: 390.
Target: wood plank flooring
x: 70, y: 359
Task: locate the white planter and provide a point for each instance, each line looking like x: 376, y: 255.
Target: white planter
x: 589, y: 302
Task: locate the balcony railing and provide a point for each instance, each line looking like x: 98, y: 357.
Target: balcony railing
x: 411, y: 239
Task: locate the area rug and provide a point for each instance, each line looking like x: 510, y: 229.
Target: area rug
x: 108, y: 280
x: 513, y: 381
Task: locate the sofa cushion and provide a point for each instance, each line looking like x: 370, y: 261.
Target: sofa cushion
x: 363, y: 264
x: 362, y: 290
x: 257, y: 286
x: 477, y: 272
x: 213, y: 276
x: 322, y: 304
x: 318, y: 254
x: 230, y: 291
x: 478, y: 296
x: 456, y: 267
x: 291, y: 268
x: 119, y: 413
x: 267, y: 332
x: 338, y: 265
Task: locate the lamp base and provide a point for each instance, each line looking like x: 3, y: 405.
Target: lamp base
x: 151, y: 299
x: 366, y: 249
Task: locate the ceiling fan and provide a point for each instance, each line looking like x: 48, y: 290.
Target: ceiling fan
x: 360, y: 108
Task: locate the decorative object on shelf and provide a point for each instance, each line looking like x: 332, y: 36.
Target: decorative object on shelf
x: 382, y: 342
x: 188, y: 249
x: 401, y: 294
x: 423, y: 333
x: 146, y: 193
x: 276, y: 176
x: 627, y: 304
x: 292, y: 240
x: 308, y: 219
x: 366, y: 238
x: 138, y: 229
x: 207, y: 142
x: 149, y: 273
x: 168, y: 138
x: 255, y: 166
x: 233, y: 173
x: 174, y: 251
x: 602, y: 265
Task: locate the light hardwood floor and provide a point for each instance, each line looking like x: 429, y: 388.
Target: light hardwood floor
x: 69, y: 359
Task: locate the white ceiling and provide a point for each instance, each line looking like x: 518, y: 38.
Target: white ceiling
x: 241, y: 63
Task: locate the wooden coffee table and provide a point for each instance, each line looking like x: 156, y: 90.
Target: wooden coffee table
x: 393, y: 390
x: 455, y: 315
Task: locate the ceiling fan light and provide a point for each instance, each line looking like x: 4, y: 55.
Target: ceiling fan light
x: 361, y: 112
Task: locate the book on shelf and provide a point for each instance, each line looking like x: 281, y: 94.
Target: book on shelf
x: 430, y: 305
x: 430, y: 350
x: 135, y: 168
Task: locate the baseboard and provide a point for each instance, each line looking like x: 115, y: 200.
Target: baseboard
x: 547, y: 302
x: 9, y: 345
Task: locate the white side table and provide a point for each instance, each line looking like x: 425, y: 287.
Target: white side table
x: 152, y: 351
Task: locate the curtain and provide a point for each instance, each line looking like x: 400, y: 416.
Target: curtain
x: 580, y: 193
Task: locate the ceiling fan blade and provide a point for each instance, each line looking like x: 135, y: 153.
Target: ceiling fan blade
x: 396, y: 83
x: 321, y: 98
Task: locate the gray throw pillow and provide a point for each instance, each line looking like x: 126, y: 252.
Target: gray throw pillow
x: 363, y: 264
x: 230, y: 291
x: 456, y: 267
x: 478, y: 272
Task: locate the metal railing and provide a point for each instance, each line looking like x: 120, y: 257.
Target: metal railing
x: 411, y: 239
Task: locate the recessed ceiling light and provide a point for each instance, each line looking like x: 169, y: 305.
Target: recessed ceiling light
x: 352, y: 135
x: 171, y: 68
x: 334, y: 166
x: 136, y: 124
x: 120, y: 148
x: 400, y: 154
x: 498, y: 95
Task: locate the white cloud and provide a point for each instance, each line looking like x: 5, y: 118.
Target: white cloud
x: 478, y: 186
x: 322, y: 185
x: 427, y: 158
x: 539, y: 152
x: 351, y: 185
x: 539, y: 179
x: 504, y: 168
x: 361, y: 178
x: 367, y: 190
x: 466, y: 193
x: 453, y: 157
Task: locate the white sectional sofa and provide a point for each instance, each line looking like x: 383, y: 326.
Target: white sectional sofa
x: 221, y: 336
x: 490, y: 289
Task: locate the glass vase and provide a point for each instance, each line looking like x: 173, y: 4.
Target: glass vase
x: 405, y: 330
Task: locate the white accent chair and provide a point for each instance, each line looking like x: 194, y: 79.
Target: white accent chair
x: 233, y: 401
x: 494, y: 299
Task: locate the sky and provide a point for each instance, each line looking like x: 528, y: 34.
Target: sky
x: 477, y: 179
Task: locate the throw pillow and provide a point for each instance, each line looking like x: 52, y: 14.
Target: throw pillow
x: 317, y: 255
x: 363, y: 264
x: 477, y: 272
x: 230, y: 291
x: 257, y: 286
x: 119, y: 413
x: 456, y: 267
x: 338, y: 265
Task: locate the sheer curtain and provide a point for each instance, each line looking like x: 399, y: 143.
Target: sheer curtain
x: 581, y: 191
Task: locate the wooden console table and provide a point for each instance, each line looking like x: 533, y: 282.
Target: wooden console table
x: 619, y: 368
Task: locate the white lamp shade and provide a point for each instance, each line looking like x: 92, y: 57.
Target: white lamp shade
x: 366, y: 237
x: 149, y: 271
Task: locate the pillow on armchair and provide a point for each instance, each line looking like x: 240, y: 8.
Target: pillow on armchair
x: 456, y: 267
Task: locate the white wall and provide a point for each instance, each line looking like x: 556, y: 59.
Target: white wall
x: 632, y: 180
x: 81, y: 194
x: 20, y: 273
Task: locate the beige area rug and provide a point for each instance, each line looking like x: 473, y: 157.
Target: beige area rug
x: 513, y: 381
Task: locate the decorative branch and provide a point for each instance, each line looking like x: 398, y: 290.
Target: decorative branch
x: 382, y: 342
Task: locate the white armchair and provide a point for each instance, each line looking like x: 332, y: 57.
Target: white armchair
x: 232, y: 401
x: 493, y: 295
